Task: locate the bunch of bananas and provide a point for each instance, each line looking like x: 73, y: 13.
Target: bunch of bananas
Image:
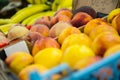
x: 36, y: 9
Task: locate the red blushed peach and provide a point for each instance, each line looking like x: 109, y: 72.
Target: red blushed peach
x: 59, y: 18
x: 40, y: 28
x: 65, y: 12
x: 93, y: 23
x: 3, y: 41
x: 44, y: 43
x: 66, y: 32
x: 44, y: 20
x: 102, y: 28
x: 80, y: 19
x: 104, y: 41
x: 57, y: 28
x: 33, y: 36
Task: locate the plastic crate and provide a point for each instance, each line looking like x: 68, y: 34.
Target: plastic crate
x: 106, y: 69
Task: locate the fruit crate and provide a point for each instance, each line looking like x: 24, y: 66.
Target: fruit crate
x: 106, y: 69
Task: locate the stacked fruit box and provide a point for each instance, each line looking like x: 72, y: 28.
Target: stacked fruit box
x: 62, y: 45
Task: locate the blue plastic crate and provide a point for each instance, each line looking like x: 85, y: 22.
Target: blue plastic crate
x: 106, y: 69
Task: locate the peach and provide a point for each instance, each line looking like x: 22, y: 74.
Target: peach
x: 58, y: 18
x: 44, y: 20
x: 81, y: 39
x: 17, y: 32
x: 93, y: 23
x: 2, y: 34
x: 3, y: 41
x: 24, y: 73
x: 18, y: 60
x: 66, y: 32
x: 86, y: 9
x: 115, y: 23
x: 112, y: 50
x: 104, y: 41
x: 40, y: 28
x: 80, y: 19
x: 64, y: 11
x: 33, y: 36
x: 86, y: 62
x: 57, y: 28
x: 102, y: 28
x: 44, y: 43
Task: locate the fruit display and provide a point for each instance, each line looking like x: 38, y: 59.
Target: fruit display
x: 56, y: 35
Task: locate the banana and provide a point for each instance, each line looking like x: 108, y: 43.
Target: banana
x: 17, y: 18
x: 48, y: 13
x: 4, y: 28
x: 30, y: 1
x: 65, y: 4
x: 37, y: 2
x: 55, y: 4
x: 112, y: 14
x: 25, y: 21
x: 4, y: 21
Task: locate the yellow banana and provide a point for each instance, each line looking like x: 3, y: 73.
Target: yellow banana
x: 4, y: 28
x: 5, y: 21
x: 25, y: 21
x: 65, y: 4
x: 30, y: 1
x: 37, y: 2
x: 48, y: 13
x: 112, y: 14
x: 28, y: 12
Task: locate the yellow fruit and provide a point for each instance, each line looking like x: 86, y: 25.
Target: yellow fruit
x: 112, y: 14
x: 112, y: 50
x: 24, y: 73
x: 66, y: 32
x: 76, y: 39
x: 48, y: 57
x: 115, y: 23
x: 18, y: 60
x: 75, y: 53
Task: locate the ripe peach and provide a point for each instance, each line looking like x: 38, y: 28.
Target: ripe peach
x: 58, y: 18
x: 24, y: 73
x: 86, y: 62
x: 40, y: 28
x: 102, y: 28
x: 44, y: 43
x: 44, y: 20
x: 65, y: 12
x: 33, y: 36
x: 57, y: 28
x: 18, y: 60
x: 66, y: 32
x: 80, y: 19
x: 115, y: 23
x: 81, y: 39
x: 3, y: 41
x: 104, y: 41
x: 92, y: 24
x: 86, y: 9
x: 112, y: 50
x: 17, y: 32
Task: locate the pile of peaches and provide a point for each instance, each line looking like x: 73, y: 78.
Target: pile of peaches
x: 76, y: 38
